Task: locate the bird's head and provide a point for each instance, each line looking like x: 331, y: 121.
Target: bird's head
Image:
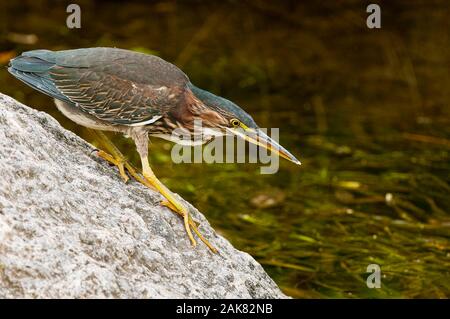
x: 225, y: 117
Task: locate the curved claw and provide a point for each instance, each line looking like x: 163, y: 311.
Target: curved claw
x: 93, y: 151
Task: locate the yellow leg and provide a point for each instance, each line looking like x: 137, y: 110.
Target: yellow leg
x: 117, y: 162
x: 150, y: 180
x: 174, y: 203
x: 116, y: 157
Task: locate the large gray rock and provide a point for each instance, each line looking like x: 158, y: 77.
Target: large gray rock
x: 70, y: 228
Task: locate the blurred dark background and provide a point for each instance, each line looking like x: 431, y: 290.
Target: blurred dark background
x: 365, y: 110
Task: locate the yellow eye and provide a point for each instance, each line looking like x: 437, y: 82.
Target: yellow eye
x: 235, y: 122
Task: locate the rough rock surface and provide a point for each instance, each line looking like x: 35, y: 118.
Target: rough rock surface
x: 69, y: 227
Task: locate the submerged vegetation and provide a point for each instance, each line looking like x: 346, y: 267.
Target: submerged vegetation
x: 366, y: 111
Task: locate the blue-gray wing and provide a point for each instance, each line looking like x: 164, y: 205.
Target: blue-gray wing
x: 114, y: 85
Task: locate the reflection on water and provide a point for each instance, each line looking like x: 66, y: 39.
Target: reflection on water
x: 366, y: 111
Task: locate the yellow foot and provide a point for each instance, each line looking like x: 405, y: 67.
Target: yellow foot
x: 168, y: 205
x: 174, y: 204
x: 120, y: 163
x: 150, y: 181
x: 180, y: 209
x: 193, y: 224
x: 124, y: 166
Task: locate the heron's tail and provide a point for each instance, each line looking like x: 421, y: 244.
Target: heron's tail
x: 33, y: 69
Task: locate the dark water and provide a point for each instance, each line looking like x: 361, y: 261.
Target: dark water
x: 367, y: 112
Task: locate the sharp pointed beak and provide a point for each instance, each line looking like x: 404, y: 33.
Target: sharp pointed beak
x: 258, y: 137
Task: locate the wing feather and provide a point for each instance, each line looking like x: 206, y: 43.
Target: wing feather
x: 114, y: 85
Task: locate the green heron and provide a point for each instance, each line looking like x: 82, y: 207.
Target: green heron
x: 110, y: 89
